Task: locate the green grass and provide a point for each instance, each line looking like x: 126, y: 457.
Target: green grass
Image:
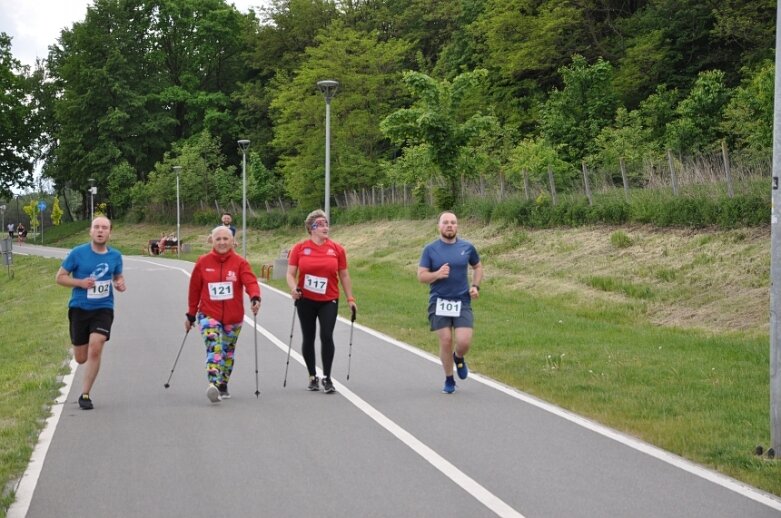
x: 35, y: 352
x: 702, y: 395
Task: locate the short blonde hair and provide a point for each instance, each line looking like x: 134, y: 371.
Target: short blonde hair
x: 310, y: 219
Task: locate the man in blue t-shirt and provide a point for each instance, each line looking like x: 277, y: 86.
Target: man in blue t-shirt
x: 94, y: 271
x: 444, y: 265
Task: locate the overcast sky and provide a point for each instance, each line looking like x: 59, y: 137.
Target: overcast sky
x: 35, y: 24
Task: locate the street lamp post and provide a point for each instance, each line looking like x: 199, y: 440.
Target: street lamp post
x: 244, y: 144
x: 2, y: 211
x: 92, y: 192
x: 328, y: 88
x: 177, y: 170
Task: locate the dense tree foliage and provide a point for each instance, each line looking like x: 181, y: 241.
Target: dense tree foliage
x: 18, y: 128
x: 142, y: 85
x: 439, y: 122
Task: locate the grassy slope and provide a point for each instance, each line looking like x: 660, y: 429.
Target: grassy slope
x: 35, y: 349
x: 662, y: 334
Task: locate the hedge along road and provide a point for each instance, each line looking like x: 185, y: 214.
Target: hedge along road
x: 387, y: 444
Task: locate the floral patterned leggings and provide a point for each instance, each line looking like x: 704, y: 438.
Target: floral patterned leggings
x: 220, y: 343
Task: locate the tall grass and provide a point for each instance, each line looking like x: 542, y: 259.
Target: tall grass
x: 35, y: 351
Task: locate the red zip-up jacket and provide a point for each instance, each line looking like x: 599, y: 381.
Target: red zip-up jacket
x: 216, y: 287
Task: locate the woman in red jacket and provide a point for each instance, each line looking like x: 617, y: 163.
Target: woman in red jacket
x: 315, y: 268
x: 215, y: 300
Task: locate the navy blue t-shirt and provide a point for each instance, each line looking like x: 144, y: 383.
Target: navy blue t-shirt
x: 459, y: 255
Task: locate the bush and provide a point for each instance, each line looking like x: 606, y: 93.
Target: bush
x: 205, y: 217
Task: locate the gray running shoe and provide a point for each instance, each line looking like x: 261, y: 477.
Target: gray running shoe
x: 213, y: 393
x: 224, y: 394
x: 314, y: 383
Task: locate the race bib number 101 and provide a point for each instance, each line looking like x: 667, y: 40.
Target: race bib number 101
x: 448, y: 308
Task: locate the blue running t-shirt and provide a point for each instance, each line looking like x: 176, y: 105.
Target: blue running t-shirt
x: 82, y: 262
x: 459, y: 255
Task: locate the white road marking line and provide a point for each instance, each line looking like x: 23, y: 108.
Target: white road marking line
x: 724, y: 481
x: 468, y: 484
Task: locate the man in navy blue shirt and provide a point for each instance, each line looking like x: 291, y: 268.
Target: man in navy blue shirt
x: 94, y: 271
x: 444, y: 265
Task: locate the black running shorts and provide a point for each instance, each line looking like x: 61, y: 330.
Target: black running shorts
x: 85, y: 322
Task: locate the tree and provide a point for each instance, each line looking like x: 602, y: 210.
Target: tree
x: 697, y: 126
x: 17, y: 129
x: 626, y: 138
x: 33, y: 212
x: 368, y: 72
x: 748, y: 117
x: 573, y: 116
x: 120, y: 182
x: 535, y: 156
x: 427, y: 26
x: 656, y: 111
x: 275, y: 50
x: 137, y: 75
x: 56, y: 211
x: 437, y: 120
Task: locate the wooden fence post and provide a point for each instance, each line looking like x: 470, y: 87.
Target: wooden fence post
x: 624, y: 178
x: 727, y: 171
x: 526, y: 187
x: 552, y: 185
x: 585, y: 183
x: 672, y: 172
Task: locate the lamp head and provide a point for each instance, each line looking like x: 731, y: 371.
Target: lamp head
x: 328, y: 88
x: 244, y: 144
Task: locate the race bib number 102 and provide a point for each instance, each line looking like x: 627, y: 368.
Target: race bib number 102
x: 100, y: 290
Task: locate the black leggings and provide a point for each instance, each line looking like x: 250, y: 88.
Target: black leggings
x: 309, y: 311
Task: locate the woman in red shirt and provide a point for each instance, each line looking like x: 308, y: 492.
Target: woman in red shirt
x: 315, y: 268
x: 215, y: 300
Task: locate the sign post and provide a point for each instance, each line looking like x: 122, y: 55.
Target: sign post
x: 41, y: 208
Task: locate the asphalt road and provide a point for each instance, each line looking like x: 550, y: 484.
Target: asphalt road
x: 386, y: 444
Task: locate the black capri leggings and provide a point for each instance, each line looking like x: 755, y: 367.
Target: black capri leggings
x: 309, y: 311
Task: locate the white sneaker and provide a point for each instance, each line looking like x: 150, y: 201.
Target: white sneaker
x: 213, y: 393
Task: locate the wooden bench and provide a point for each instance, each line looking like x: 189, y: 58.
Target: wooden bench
x: 153, y: 247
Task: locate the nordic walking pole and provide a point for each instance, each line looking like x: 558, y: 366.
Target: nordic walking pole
x: 257, y: 386
x: 350, y: 355
x: 168, y: 383
x: 290, y: 345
